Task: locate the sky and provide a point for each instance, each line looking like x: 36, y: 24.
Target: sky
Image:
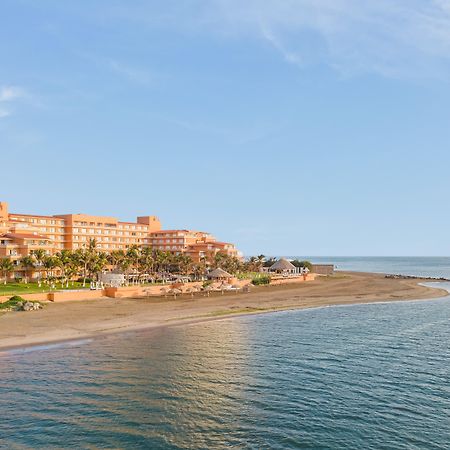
x: 289, y: 127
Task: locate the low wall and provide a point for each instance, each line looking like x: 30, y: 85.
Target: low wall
x: 42, y: 297
x: 147, y: 291
x: 323, y: 269
x: 57, y: 296
x: 288, y: 280
x: 61, y: 296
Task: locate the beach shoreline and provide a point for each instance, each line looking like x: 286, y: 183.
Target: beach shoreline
x: 74, y: 320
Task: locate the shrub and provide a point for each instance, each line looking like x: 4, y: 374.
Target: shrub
x: 12, y: 302
x: 262, y: 280
x: 301, y: 264
x: 15, y: 303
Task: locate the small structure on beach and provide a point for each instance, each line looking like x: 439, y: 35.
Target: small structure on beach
x: 112, y: 279
x: 219, y: 275
x: 284, y: 267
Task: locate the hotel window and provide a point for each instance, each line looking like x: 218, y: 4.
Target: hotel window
x: 83, y: 230
x: 75, y: 230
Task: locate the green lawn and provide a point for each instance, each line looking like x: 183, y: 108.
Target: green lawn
x: 33, y: 288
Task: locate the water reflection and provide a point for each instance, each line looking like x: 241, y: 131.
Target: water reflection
x: 362, y: 377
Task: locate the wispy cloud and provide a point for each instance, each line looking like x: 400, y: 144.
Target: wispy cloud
x: 133, y: 74
x: 9, y: 94
x: 130, y: 72
x: 391, y: 37
x: 395, y: 38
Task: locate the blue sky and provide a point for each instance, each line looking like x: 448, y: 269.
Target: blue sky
x: 286, y: 126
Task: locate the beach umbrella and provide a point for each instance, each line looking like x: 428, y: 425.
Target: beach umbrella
x: 208, y: 289
x: 175, y: 292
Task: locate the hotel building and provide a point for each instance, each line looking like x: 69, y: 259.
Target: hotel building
x: 20, y: 234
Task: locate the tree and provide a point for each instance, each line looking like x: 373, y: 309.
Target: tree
x: 6, y: 268
x: 50, y: 264
x: 146, y: 261
x: 83, y: 258
x: 64, y: 259
x: 303, y: 264
x: 27, y: 263
x: 39, y: 256
x: 116, y: 258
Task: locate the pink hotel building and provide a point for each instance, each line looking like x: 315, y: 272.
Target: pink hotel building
x: 22, y: 233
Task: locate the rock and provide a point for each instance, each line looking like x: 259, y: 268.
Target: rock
x: 28, y: 306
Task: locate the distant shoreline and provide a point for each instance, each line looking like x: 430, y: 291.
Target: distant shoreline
x: 88, y: 319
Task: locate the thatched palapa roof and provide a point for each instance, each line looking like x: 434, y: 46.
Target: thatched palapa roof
x: 282, y: 264
x: 219, y: 273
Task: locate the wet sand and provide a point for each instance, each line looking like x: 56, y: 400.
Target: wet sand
x: 90, y: 318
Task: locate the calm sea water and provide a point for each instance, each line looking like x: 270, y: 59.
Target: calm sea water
x: 354, y: 377
x: 366, y: 377
x: 418, y: 266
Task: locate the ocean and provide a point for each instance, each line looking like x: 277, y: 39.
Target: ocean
x: 437, y: 267
x: 372, y: 376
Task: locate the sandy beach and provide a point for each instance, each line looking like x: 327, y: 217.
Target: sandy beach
x: 81, y: 319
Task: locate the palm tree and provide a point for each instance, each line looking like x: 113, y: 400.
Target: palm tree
x: 98, y: 264
x: 146, y: 261
x: 39, y: 256
x: 133, y: 255
x: 6, y: 267
x: 50, y: 264
x: 184, y: 263
x: 116, y: 258
x: 63, y: 261
x: 83, y: 258
x: 27, y: 262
